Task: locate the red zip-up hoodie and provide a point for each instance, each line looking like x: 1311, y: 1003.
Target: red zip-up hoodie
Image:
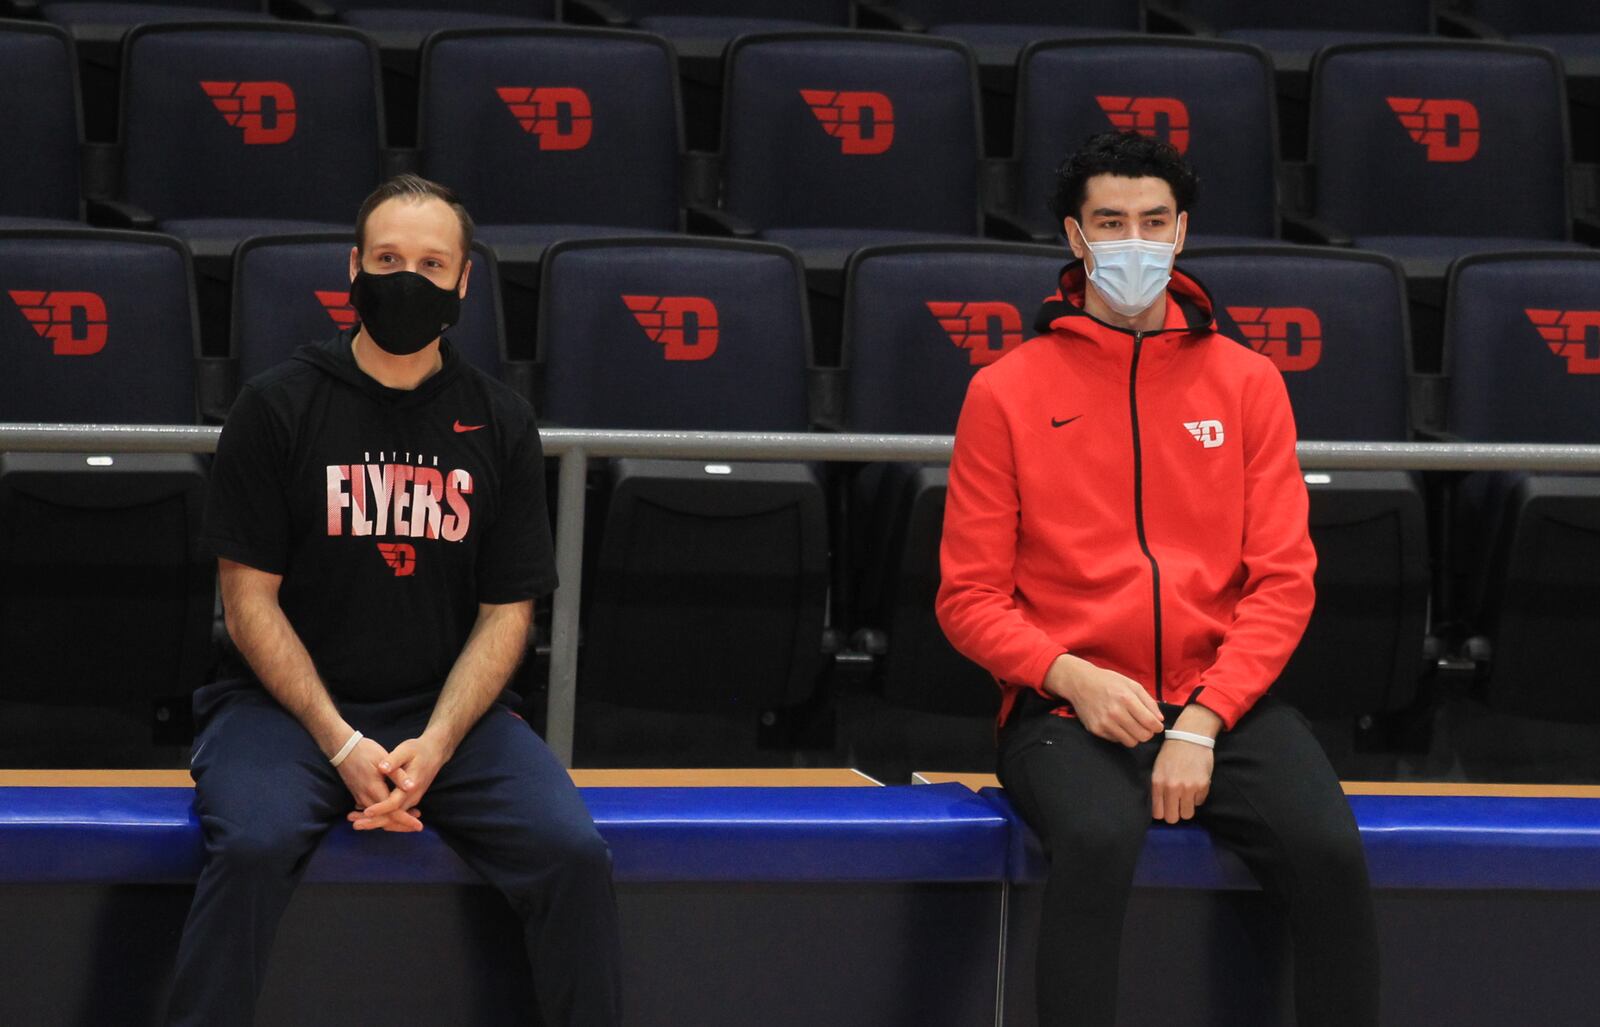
x: 1134, y: 499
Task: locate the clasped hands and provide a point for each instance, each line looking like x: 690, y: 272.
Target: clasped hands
x: 388, y: 786
x: 1118, y: 709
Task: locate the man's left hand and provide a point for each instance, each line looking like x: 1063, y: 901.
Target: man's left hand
x: 412, y: 766
x: 1181, y: 779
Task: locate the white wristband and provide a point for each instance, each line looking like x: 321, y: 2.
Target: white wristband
x: 1190, y: 736
x: 339, y: 756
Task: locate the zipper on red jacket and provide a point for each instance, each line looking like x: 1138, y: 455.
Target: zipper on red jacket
x: 1138, y: 502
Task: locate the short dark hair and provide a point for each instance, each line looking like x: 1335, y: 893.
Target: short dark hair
x: 414, y: 188
x: 1127, y: 154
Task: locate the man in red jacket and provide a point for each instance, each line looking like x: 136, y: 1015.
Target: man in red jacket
x: 1126, y: 550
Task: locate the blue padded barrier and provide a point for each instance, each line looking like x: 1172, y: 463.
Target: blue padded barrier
x: 1412, y: 841
x: 927, y: 833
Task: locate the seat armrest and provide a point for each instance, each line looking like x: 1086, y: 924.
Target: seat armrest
x: 1429, y: 394
x: 825, y: 394
x: 594, y: 12
x: 1465, y: 26
x: 703, y: 219
x: 1310, y: 230
x: 701, y: 173
x: 521, y: 375
x: 216, y: 383
x: 119, y: 214
x: 1161, y: 18
x: 304, y: 10
x: 882, y: 16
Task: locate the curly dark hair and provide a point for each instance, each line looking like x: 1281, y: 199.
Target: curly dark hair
x: 1128, y: 154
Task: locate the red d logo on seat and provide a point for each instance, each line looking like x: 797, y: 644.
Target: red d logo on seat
x: 265, y: 110
x: 685, y: 325
x: 74, y: 322
x: 862, y: 122
x: 1448, y: 128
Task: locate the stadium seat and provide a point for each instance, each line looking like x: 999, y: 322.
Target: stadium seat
x: 404, y: 24
x: 234, y: 131
x: 551, y: 134
x: 1569, y: 27
x: 706, y: 600
x: 1335, y: 323
x: 1430, y: 151
x: 704, y: 27
x: 105, y: 602
x: 1293, y: 32
x: 919, y: 321
x: 998, y: 31
x: 829, y: 138
x: 41, y: 124
x: 1212, y: 100
x: 289, y: 290
x: 98, y: 30
x: 1522, y: 338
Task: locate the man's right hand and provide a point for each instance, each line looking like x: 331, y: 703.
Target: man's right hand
x: 369, y: 786
x: 1110, y: 706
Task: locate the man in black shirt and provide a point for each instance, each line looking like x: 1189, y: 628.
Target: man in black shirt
x: 377, y: 510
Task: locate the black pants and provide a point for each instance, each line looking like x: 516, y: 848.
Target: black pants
x: 1274, y: 800
x: 266, y: 795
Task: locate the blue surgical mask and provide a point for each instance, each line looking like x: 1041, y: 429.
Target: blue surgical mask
x: 1131, y: 274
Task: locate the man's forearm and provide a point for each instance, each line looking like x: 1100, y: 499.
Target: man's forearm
x: 487, y: 661
x: 268, y: 642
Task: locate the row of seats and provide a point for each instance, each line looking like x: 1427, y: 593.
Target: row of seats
x: 1562, y: 24
x: 709, y: 585
x: 1424, y: 151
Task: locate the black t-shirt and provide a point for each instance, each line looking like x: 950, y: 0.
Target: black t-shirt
x: 390, y: 514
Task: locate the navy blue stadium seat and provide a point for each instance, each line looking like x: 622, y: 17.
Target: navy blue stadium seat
x: 290, y: 290
x: 98, y: 29
x: 1522, y: 349
x: 1429, y: 151
x: 1213, y: 101
x: 707, y: 594
x: 1569, y: 27
x: 919, y: 321
x: 105, y: 603
x: 999, y: 29
x: 551, y: 134
x: 234, y: 131
x: 834, y: 140
x: 41, y: 125
x: 405, y: 24
x: 1293, y: 32
x: 1335, y: 323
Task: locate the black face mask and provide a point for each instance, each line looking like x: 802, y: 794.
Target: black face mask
x: 402, y: 311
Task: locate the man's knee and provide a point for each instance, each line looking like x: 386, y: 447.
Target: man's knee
x: 256, y: 852
x: 1328, y: 855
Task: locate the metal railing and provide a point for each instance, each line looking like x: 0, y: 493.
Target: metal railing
x: 576, y: 447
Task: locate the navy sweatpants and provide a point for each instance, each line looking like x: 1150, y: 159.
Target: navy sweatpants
x: 266, y: 795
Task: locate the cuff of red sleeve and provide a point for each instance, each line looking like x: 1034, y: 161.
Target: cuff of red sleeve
x: 1229, y: 707
x: 1037, y: 667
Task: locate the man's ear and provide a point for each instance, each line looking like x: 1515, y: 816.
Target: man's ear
x: 1183, y: 233
x: 1074, y: 233
x: 355, y: 262
x: 461, y: 287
